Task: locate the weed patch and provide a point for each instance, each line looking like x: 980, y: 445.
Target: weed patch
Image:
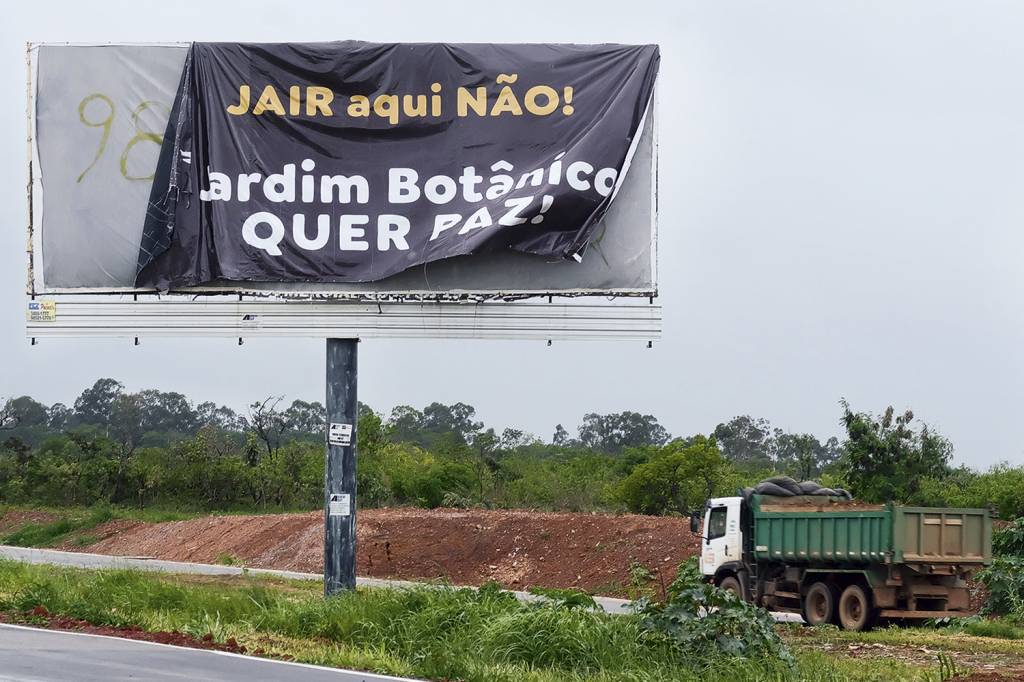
x: 47, y: 534
x: 434, y: 633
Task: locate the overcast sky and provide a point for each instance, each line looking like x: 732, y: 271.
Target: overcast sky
x: 840, y: 216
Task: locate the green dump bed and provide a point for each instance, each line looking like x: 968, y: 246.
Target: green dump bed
x: 824, y: 529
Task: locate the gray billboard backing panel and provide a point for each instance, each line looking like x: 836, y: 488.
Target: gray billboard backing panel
x: 98, y: 117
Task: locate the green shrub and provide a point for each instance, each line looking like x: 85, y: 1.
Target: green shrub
x: 702, y: 619
x: 677, y: 478
x: 418, y: 477
x: 567, y: 598
x: 371, y: 490
x: 985, y: 627
x: 997, y: 488
x: 1009, y: 541
x: 39, y: 534
x: 1005, y: 582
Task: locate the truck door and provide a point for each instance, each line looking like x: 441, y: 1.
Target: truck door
x: 722, y: 536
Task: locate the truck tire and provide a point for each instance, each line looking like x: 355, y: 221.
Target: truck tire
x: 732, y: 584
x: 820, y: 604
x: 856, y: 611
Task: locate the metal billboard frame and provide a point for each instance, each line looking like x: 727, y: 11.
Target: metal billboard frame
x: 225, y: 318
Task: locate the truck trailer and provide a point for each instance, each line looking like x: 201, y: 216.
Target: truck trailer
x: 836, y: 560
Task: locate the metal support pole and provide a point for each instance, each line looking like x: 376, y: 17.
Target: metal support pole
x: 340, y: 467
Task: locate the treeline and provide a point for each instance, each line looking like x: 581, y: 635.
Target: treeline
x: 159, y: 449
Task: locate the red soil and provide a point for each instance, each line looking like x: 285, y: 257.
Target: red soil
x: 40, y: 617
x: 519, y: 549
x: 15, y: 519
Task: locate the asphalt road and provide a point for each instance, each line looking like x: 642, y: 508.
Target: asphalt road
x: 33, y: 655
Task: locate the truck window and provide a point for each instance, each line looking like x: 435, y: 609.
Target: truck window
x: 716, y: 523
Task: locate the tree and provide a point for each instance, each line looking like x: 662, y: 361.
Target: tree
x: 485, y: 445
x: 219, y: 441
x: 27, y: 411
x: 455, y: 419
x: 405, y: 425
x: 561, y: 438
x: 448, y: 427
x: 803, y: 456
x: 22, y: 451
x: 754, y: 446
x: 93, y: 406
x: 306, y: 418
x: 678, y: 478
x: 209, y: 414
x: 167, y: 412
x: 612, y: 433
x: 513, y: 439
x: 9, y: 418
x: 59, y: 416
x: 126, y: 428
x: 370, y: 432
x: 126, y: 420
x: 268, y: 424
x: 887, y: 459
x: 747, y: 442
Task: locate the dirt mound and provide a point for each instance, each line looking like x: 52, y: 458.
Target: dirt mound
x: 11, y: 521
x: 519, y: 549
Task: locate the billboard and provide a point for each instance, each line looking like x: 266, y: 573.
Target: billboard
x: 348, y: 169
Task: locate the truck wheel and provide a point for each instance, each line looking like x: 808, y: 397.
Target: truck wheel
x: 855, y: 610
x: 731, y: 584
x: 820, y: 604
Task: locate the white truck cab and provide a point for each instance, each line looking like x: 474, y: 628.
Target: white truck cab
x: 722, y: 541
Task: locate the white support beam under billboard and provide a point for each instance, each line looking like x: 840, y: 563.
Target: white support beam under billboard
x: 341, y: 319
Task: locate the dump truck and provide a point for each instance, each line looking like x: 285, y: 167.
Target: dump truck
x: 837, y: 560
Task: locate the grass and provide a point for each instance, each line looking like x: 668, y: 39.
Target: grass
x: 85, y: 540
x: 54, y: 532
x: 439, y: 634
x: 73, y: 523
x: 982, y: 627
x: 148, y: 514
x: 226, y: 559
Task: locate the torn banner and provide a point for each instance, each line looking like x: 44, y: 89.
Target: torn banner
x: 350, y: 161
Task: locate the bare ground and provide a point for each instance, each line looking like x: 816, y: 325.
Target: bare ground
x: 971, y: 661
x: 517, y: 548
x: 14, y: 519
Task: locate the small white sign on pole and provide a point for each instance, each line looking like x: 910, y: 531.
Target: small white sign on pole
x: 339, y: 434
x: 339, y: 505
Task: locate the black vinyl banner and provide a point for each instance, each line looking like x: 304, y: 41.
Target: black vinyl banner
x: 351, y: 161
